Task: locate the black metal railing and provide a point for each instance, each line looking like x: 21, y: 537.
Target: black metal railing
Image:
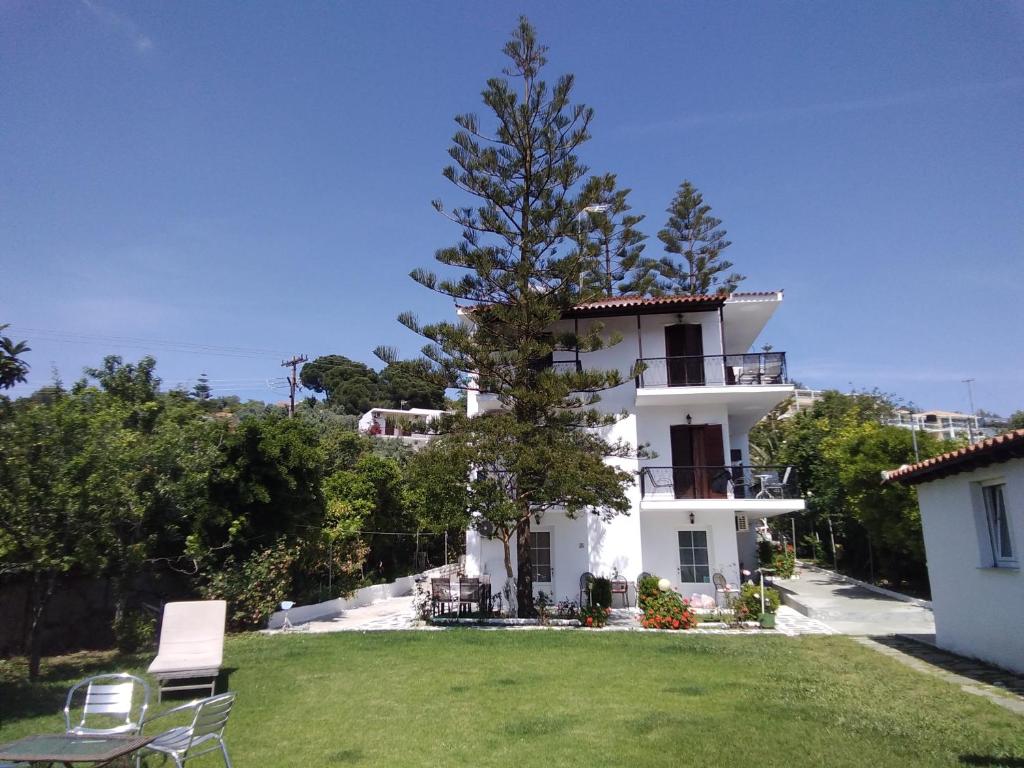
x: 713, y: 370
x: 732, y: 482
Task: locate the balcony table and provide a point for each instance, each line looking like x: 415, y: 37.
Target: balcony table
x: 67, y: 749
x: 763, y: 493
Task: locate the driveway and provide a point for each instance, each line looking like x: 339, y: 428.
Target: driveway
x: 853, y: 610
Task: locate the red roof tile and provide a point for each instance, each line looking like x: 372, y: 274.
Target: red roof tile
x: 992, y: 451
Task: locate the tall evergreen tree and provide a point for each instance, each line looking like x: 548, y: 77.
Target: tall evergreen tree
x: 613, y: 244
x: 201, y: 390
x: 695, y: 240
x: 521, y: 276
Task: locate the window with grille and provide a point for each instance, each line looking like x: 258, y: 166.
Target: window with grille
x: 998, y: 524
x: 540, y: 554
x: 693, y: 557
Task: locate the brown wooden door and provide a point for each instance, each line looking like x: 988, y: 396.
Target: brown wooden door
x: 698, y: 461
x: 684, y: 346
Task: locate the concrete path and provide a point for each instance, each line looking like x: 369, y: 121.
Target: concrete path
x: 853, y: 610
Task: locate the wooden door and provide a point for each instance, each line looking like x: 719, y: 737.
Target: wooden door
x: 698, y: 461
x: 684, y: 347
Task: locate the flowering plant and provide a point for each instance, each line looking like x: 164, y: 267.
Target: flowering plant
x: 594, y: 616
x: 668, y: 610
x: 747, y: 606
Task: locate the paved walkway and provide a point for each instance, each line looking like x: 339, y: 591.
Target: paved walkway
x: 853, y: 610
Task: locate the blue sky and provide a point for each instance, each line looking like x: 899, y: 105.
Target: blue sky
x: 248, y: 181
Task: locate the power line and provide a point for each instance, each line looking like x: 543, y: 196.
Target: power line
x: 293, y: 380
x: 77, y: 337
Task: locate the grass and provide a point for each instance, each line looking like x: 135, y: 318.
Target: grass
x: 466, y: 697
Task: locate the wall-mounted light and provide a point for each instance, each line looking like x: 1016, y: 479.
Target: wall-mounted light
x: 693, y: 518
x: 689, y: 419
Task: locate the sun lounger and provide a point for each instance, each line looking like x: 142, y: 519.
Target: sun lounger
x: 191, y: 646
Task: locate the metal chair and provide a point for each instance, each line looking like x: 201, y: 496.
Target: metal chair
x: 184, y: 742
x: 722, y: 587
x: 586, y: 582
x: 777, y: 489
x: 109, y: 699
x: 440, y: 595
x: 621, y: 587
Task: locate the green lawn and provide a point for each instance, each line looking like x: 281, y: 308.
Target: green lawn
x: 465, y: 697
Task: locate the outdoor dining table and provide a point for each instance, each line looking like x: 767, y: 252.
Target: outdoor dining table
x: 68, y: 750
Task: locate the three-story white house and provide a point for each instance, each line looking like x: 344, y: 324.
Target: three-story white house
x: 694, y: 505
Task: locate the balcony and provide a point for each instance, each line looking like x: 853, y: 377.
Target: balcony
x: 749, y: 369
x: 768, y: 490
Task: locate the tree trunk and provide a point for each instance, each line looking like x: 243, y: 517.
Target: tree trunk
x: 524, y: 584
x: 40, y: 593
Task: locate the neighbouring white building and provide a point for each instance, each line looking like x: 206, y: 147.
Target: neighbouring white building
x: 407, y: 425
x: 948, y: 425
x: 972, y: 512
x: 695, y: 504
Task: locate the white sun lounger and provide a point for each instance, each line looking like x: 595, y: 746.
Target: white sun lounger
x: 191, y: 646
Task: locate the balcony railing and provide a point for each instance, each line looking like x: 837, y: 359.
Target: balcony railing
x: 733, y: 482
x: 713, y: 370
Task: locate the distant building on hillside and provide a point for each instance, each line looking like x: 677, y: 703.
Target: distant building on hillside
x: 949, y: 425
x: 410, y: 426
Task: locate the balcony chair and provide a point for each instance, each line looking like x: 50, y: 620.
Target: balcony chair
x: 110, y: 705
x: 184, y: 742
x: 775, y: 489
x: 772, y: 373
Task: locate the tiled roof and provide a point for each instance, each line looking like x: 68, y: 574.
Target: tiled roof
x: 648, y: 301
x: 992, y: 451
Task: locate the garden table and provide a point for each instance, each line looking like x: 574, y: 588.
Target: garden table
x: 67, y: 749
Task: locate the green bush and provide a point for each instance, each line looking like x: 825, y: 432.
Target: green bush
x: 784, y: 563
x: 596, y: 616
x: 134, y: 631
x: 601, y: 593
x: 254, y: 589
x: 748, y: 604
x: 646, y: 590
x: 668, y: 610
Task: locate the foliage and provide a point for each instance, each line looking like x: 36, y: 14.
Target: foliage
x: 201, y: 390
x: 354, y: 387
x: 600, y: 593
x: 607, y: 233
x: 1016, y: 420
x: 254, y: 588
x: 668, y: 610
x: 134, y: 631
x: 647, y: 589
x: 13, y: 369
x: 694, y: 240
x: 747, y: 605
x: 780, y: 558
x: 567, y: 609
x: 593, y: 616
x: 521, y: 275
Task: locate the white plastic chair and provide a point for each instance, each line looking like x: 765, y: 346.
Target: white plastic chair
x: 108, y: 698
x: 204, y: 734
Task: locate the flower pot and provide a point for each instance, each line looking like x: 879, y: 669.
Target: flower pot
x: 767, y: 621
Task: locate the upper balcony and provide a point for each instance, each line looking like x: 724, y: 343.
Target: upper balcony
x: 758, y: 379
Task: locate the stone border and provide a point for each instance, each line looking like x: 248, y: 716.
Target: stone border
x: 920, y: 603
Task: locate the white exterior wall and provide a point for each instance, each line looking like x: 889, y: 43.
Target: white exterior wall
x: 979, y: 610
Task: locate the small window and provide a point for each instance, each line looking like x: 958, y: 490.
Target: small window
x: 540, y: 555
x: 693, y: 557
x: 998, y: 524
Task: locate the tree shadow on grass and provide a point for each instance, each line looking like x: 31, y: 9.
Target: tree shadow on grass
x: 993, y: 762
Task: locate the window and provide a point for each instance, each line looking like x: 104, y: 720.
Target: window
x: 998, y: 525
x: 540, y: 555
x: 693, y: 557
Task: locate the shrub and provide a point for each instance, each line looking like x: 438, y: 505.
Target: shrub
x: 646, y: 590
x: 594, y: 616
x: 784, y: 563
x: 668, y: 610
x: 253, y: 589
x: 601, y: 593
x: 748, y: 604
x: 134, y: 631
x: 567, y: 609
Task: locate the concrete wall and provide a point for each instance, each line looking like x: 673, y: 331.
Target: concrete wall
x: 300, y: 614
x: 978, y: 608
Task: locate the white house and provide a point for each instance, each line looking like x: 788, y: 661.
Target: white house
x: 972, y: 512
x: 694, y: 504
x: 407, y: 425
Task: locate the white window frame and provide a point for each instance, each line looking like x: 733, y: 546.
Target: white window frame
x: 991, y: 526
x: 707, y: 549
x: 551, y: 556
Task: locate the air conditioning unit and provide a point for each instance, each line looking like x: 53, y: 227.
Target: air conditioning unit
x: 741, y: 523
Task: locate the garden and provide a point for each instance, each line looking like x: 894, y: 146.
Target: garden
x: 470, y: 697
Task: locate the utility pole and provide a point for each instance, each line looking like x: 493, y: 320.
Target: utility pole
x: 293, y: 380
x: 970, y: 399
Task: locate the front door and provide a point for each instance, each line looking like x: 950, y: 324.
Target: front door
x: 698, y: 461
x: 684, y: 347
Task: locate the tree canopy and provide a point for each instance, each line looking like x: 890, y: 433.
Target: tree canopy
x: 355, y: 387
x: 13, y: 369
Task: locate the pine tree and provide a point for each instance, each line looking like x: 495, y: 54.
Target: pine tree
x: 521, y: 275
x: 695, y: 240
x: 201, y: 391
x: 612, y: 242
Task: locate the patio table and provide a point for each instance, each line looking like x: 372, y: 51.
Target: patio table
x: 68, y: 749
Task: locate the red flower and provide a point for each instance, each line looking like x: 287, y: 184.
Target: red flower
x: 675, y: 623
x: 590, y: 621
